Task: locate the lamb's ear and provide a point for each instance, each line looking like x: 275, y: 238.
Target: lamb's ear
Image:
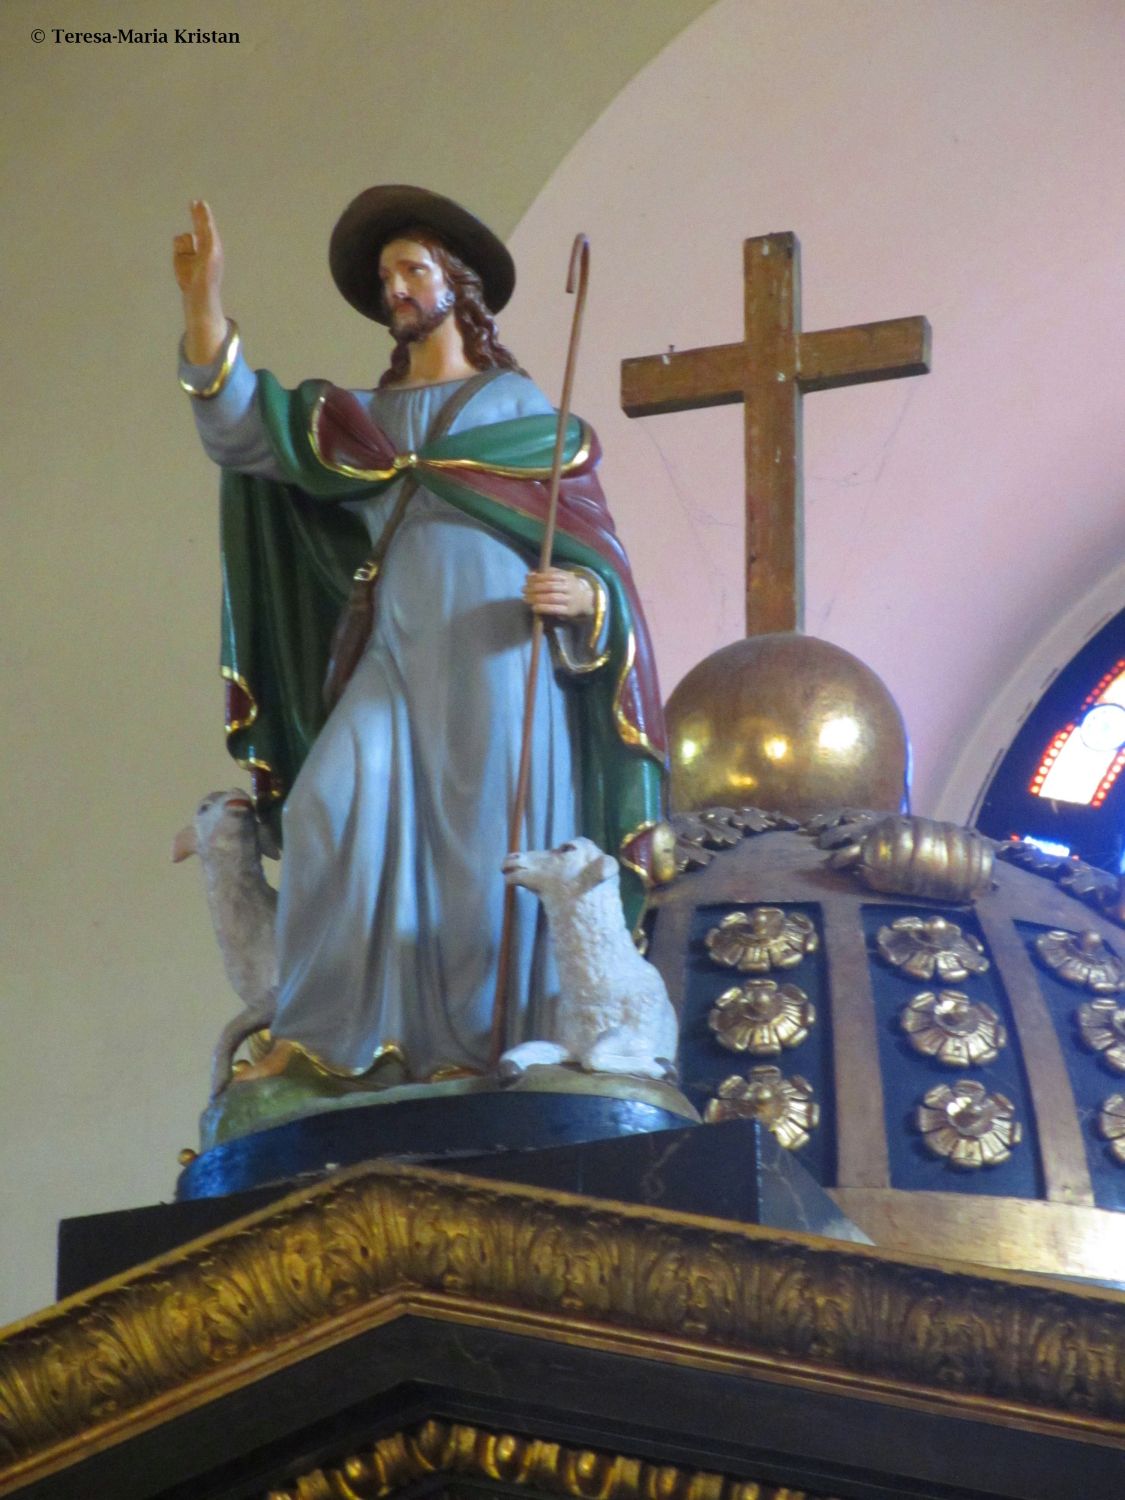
x: 267, y: 842
x: 597, y: 872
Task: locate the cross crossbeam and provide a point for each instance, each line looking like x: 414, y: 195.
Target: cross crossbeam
x: 769, y: 372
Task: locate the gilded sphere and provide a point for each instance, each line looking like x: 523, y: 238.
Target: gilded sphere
x: 787, y: 722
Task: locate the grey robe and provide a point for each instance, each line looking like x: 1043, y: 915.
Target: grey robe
x: 391, y: 892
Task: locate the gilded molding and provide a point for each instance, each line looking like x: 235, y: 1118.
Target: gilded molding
x: 455, y: 1448
x: 380, y: 1242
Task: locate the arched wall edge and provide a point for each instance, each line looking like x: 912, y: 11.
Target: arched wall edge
x: 1000, y: 721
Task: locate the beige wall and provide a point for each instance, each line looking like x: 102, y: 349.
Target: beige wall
x: 110, y: 989
x: 954, y: 157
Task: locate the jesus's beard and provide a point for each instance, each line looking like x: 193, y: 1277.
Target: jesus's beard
x: 424, y: 321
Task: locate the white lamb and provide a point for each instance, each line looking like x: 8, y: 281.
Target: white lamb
x: 613, y: 1014
x: 226, y: 835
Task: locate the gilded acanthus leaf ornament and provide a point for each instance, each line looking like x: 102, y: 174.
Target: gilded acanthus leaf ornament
x: 761, y: 939
x: 931, y: 948
x: 785, y: 1106
x: 1102, y: 1027
x: 1082, y: 959
x: 1111, y: 1124
x: 345, y: 1257
x: 967, y: 1125
x: 1098, y: 889
x: 949, y: 1027
x: 452, y: 1450
x: 840, y: 826
x: 761, y: 1017
x: 696, y: 837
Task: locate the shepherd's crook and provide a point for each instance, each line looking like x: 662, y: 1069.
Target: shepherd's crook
x: 579, y: 272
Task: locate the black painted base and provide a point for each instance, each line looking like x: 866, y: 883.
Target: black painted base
x: 428, y: 1129
x: 736, y: 1172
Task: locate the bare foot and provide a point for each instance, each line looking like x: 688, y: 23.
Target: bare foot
x: 270, y: 1065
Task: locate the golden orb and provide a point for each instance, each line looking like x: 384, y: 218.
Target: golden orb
x: 785, y: 722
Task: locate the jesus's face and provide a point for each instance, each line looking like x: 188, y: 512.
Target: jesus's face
x: 415, y: 290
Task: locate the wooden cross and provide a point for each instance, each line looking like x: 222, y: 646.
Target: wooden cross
x: 770, y: 371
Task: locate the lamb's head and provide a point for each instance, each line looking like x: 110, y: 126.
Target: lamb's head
x: 572, y: 869
x: 222, y: 819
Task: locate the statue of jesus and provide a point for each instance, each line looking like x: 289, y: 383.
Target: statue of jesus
x: 426, y: 498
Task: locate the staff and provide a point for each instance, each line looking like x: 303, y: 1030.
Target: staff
x: 578, y: 274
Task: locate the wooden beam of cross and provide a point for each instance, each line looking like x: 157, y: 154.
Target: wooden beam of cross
x: 770, y: 371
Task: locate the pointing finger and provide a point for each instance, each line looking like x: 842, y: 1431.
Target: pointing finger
x: 203, y: 221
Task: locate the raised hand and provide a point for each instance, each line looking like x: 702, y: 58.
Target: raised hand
x: 197, y: 260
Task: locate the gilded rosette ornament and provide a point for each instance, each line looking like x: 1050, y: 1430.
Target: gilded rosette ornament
x: 952, y: 1029
x: 761, y: 1017
x: 785, y: 1106
x: 1102, y: 1026
x: 1111, y: 1124
x: 761, y: 939
x: 1082, y: 959
x: 967, y: 1125
x: 931, y: 948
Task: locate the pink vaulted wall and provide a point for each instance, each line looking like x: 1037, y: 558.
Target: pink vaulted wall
x: 956, y: 158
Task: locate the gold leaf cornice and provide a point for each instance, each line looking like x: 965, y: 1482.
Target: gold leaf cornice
x: 455, y: 1448
x: 381, y: 1242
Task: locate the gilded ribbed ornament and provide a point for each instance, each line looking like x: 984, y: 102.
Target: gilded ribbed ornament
x: 761, y: 939
x: 1101, y: 1024
x: 967, y: 1125
x: 761, y: 1017
x: 1082, y: 959
x: 919, y: 857
x: 931, y: 948
x: 785, y: 1106
x: 1111, y: 1125
x: 952, y: 1029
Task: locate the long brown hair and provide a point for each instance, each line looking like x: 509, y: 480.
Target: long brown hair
x: 481, y: 342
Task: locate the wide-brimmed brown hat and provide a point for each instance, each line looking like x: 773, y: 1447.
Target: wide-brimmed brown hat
x: 381, y: 213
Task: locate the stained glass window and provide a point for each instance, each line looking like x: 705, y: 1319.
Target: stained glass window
x: 1059, y: 783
